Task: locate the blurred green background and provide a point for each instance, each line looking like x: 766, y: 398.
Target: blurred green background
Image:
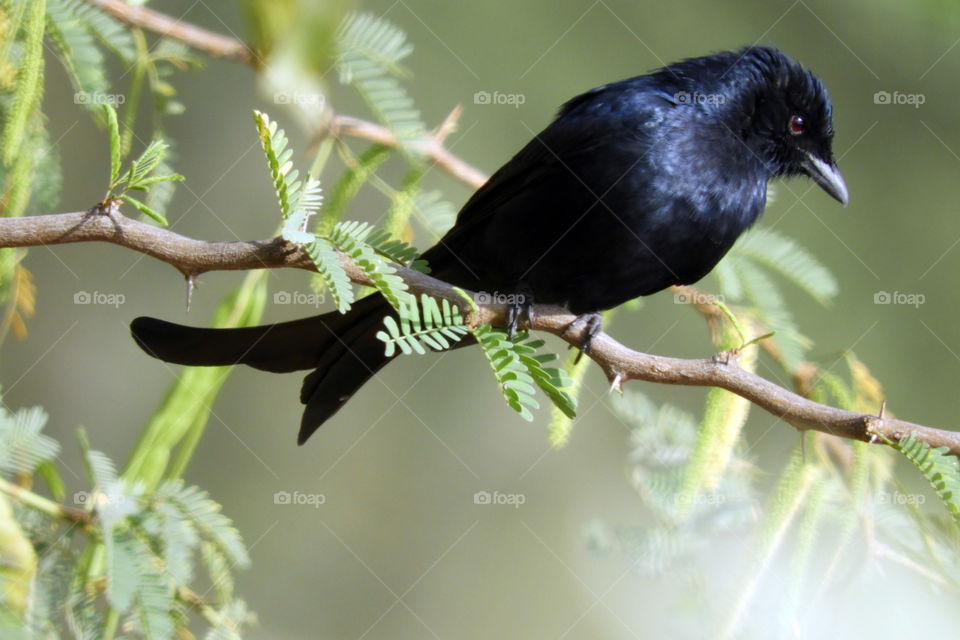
x: 399, y: 549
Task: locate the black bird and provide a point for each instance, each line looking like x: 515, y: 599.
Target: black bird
x: 635, y: 186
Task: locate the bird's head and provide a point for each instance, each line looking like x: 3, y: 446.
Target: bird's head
x: 786, y: 117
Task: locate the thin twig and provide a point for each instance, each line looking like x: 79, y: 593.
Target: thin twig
x: 213, y: 44
x: 45, y: 505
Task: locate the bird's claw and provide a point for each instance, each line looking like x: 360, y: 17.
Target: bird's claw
x: 594, y: 325
x: 522, y: 307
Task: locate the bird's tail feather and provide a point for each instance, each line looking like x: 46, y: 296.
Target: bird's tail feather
x: 343, y: 348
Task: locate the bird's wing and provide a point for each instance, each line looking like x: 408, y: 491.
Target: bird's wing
x: 586, y: 123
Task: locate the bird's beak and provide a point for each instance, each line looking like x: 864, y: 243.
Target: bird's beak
x: 827, y: 176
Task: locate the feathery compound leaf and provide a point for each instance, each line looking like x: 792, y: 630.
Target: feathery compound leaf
x: 135, y: 581
x: 369, y: 53
x: 138, y: 174
x: 113, y: 126
x: 786, y: 257
x: 762, y: 293
x: 359, y: 170
x: 437, y: 214
x: 162, y: 189
x: 350, y: 238
x: 204, y: 514
x: 77, y: 51
x: 292, y: 193
x: 942, y: 471
x: 122, y: 569
x: 22, y: 447
x: 144, y: 209
x: 551, y: 380
x: 108, y: 31
x: 515, y: 382
x: 386, y: 245
x: 29, y: 83
x: 324, y: 258
x: 436, y: 329
x: 146, y: 163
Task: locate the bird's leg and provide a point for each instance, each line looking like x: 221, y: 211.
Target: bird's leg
x: 594, y: 324
x: 521, y: 305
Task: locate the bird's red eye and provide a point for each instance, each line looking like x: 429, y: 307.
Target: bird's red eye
x: 797, y: 125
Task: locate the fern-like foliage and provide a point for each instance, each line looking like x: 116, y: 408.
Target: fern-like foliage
x: 350, y: 238
x: 437, y: 327
x: 785, y: 257
x: 324, y: 258
x: 745, y: 276
x: 77, y: 31
x: 551, y: 380
x: 28, y: 87
x: 22, y: 447
x: 514, y: 380
x: 518, y: 367
x: 140, y: 175
x: 292, y: 193
x: 941, y: 470
x: 390, y: 247
x: 370, y: 51
x: 436, y: 213
x: 204, y: 515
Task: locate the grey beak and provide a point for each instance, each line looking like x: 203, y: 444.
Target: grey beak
x: 827, y: 176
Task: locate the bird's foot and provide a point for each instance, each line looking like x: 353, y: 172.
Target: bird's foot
x: 520, y: 307
x: 594, y: 325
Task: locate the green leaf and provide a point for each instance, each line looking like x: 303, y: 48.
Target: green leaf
x: 29, y: 83
x: 515, y: 382
x: 324, y: 258
x: 115, y: 155
x: 292, y: 194
x: 552, y: 380
x: 940, y: 469
x: 349, y: 237
x: 205, y: 516
x: 786, y: 257
x: 389, y: 247
x: 369, y: 53
x: 348, y: 185
x: 149, y: 159
x: 22, y: 447
x: 77, y: 51
x: 439, y: 326
x: 144, y: 209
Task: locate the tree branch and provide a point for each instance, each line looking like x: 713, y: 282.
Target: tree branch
x: 220, y: 46
x: 619, y: 363
x: 213, y: 44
